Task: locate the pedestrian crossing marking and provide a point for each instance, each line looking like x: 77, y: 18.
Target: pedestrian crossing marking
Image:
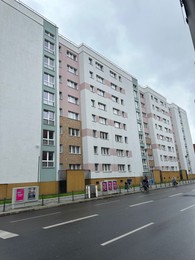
x: 6, y: 235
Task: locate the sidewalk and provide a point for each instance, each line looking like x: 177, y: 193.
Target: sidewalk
x: 58, y: 201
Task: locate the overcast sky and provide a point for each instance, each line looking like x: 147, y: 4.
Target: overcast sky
x: 147, y: 38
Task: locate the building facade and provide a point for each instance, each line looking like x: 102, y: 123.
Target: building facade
x: 66, y: 107
x: 28, y: 95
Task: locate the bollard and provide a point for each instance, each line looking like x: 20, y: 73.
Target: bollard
x: 58, y: 198
x: 72, y: 195
x: 42, y: 200
x: 4, y: 204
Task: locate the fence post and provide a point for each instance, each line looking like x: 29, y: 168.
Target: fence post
x: 42, y: 200
x: 4, y: 204
x: 72, y: 195
x: 58, y: 198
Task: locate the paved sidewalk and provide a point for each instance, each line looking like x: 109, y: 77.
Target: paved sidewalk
x: 58, y: 201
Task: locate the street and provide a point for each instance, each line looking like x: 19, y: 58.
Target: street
x: 155, y: 225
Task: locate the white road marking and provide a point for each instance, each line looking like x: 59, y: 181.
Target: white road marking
x: 40, y: 216
x: 142, y: 203
x: 6, y: 235
x: 188, y: 207
x: 70, y: 221
x: 127, y: 234
x: 99, y: 204
x: 175, y: 195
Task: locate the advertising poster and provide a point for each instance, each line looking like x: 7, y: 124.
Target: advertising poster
x: 31, y: 193
x: 115, y: 185
x: 109, y: 185
x: 104, y: 186
x: 19, y: 195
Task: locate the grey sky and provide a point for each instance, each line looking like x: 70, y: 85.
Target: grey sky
x: 147, y: 38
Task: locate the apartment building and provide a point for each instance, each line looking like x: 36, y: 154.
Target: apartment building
x: 66, y: 107
x: 159, y: 125
x: 71, y: 156
x: 109, y: 128
x: 168, y: 129
x: 183, y: 140
x: 28, y: 95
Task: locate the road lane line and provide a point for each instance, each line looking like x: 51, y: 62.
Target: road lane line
x: 41, y: 216
x: 99, y: 204
x: 6, y: 235
x: 126, y: 234
x: 177, y: 194
x: 70, y: 221
x: 188, y: 207
x: 142, y: 203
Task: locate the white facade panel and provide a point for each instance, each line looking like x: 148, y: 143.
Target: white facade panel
x: 20, y: 95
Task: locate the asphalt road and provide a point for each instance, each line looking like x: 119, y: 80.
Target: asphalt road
x: 158, y: 225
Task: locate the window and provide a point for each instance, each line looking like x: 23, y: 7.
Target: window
x: 48, y: 63
x: 72, y: 84
x: 126, y: 140
x: 121, y: 167
x: 100, y: 92
x: 73, y: 100
x: 105, y: 151
x: 60, y: 78
x: 119, y: 152
x: 92, y: 103
x: 136, y: 104
x: 102, y: 106
x: 135, y: 93
x: 49, y: 46
x: 117, y: 124
x: 61, y: 148
x: 115, y: 99
x: 48, y: 137
x: 129, y: 168
x: 99, y: 79
x: 99, y: 66
x: 112, y: 74
x: 95, y: 133
x: 95, y: 149
x: 48, y: 117
x: 93, y: 118
x: 74, y: 132
x: 60, y: 111
x: 90, y: 61
x: 48, y: 98
x: 139, y: 127
x: 102, y: 120
x: 74, y: 149
x: 74, y: 166
x: 116, y: 111
x: 48, y: 80
x: 73, y: 115
x: 91, y: 74
x: 49, y: 34
x: 122, y: 102
x: 72, y: 69
x: 113, y: 86
x: 71, y: 56
x: 47, y: 159
x: 60, y: 95
x: 106, y: 167
x: 91, y: 88
x: 104, y: 135
x: 96, y: 167
x: 118, y: 138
